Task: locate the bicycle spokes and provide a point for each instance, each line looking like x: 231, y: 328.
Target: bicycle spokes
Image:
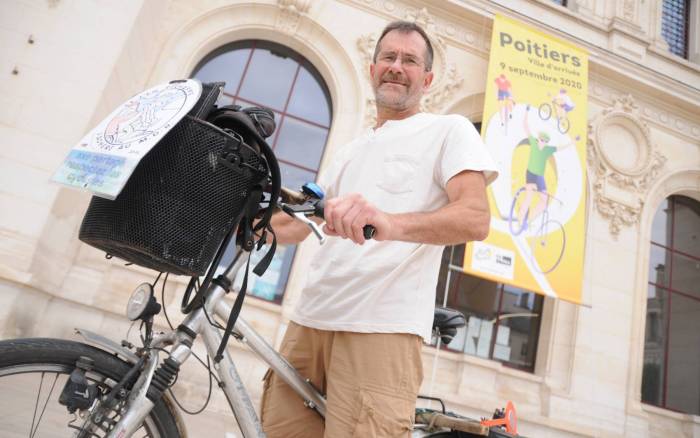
x: 37, y: 421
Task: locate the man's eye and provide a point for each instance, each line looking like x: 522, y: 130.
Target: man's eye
x: 410, y: 61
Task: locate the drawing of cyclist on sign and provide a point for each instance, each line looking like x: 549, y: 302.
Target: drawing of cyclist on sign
x: 540, y: 151
x: 505, y: 98
x: 562, y: 105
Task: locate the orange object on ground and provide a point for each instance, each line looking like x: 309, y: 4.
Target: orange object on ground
x: 509, y: 420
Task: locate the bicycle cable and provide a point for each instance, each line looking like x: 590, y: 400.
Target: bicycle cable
x: 207, y: 366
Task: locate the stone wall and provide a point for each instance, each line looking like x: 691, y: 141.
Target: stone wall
x: 66, y: 64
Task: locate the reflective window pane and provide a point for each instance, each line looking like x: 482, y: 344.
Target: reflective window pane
x: 686, y: 225
x: 674, y: 25
x: 269, y: 78
x: 661, y: 226
x: 294, y: 177
x: 224, y: 100
x: 301, y: 143
x: 686, y: 275
x: 227, y: 67
x: 308, y: 100
x: 659, y: 265
x: 273, y: 282
x: 473, y: 294
x: 458, y: 255
x: 655, y: 341
x: 518, y: 328
x: 683, y: 386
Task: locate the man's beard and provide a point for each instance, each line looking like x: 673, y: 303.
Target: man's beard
x: 397, y: 99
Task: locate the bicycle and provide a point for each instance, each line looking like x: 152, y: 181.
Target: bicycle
x: 545, y: 111
x: 547, y: 242
x: 101, y: 388
x: 118, y: 389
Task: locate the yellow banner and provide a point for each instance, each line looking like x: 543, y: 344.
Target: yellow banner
x: 534, y: 126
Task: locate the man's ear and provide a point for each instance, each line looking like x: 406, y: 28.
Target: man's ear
x: 371, y: 70
x: 427, y: 81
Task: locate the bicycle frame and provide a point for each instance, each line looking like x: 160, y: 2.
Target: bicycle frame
x: 181, y: 339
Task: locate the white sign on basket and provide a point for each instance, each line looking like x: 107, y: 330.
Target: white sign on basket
x: 106, y: 157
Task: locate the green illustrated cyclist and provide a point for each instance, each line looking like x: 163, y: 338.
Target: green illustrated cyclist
x: 548, y: 237
x: 540, y: 151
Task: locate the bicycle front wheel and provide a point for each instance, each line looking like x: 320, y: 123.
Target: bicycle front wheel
x: 32, y: 375
x: 563, y: 125
x: 547, y: 246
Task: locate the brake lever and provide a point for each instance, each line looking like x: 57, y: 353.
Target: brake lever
x: 299, y: 213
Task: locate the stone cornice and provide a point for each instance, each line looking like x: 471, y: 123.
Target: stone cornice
x: 659, y: 114
x: 467, y: 24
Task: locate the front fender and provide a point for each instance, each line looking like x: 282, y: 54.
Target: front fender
x: 127, y: 355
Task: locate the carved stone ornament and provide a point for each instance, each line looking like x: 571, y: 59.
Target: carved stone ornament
x: 624, y: 162
x: 629, y: 10
x: 290, y: 14
x: 447, y: 79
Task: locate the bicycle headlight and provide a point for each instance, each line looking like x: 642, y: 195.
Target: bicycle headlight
x: 140, y: 302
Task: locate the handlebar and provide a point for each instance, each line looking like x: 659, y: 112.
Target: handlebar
x: 300, y: 206
x: 368, y: 230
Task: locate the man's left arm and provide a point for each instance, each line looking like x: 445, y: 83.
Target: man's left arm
x: 465, y: 218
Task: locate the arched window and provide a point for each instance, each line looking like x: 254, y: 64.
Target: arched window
x: 671, y: 373
x: 262, y: 73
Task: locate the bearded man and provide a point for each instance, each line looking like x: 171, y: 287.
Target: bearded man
x: 420, y: 179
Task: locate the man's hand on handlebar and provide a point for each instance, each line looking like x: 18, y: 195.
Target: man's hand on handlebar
x: 346, y: 216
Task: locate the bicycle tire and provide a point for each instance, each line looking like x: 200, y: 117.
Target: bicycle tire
x: 545, y: 111
x: 563, y: 125
x: 552, y: 266
x: 512, y: 219
x: 22, y: 359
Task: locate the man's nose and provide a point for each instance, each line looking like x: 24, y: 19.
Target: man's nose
x: 397, y: 65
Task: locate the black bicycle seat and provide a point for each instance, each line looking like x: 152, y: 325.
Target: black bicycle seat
x: 446, y: 318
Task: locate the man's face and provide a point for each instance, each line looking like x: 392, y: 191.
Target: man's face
x: 399, y: 79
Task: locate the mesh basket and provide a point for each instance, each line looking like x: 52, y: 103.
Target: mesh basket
x: 179, y: 203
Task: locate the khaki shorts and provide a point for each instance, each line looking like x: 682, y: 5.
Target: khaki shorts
x: 371, y: 381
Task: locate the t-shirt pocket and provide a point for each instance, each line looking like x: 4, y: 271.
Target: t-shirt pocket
x: 398, y: 173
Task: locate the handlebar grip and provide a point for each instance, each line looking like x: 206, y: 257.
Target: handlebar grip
x: 368, y: 230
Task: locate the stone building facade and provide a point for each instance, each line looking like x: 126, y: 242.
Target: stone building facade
x: 65, y: 64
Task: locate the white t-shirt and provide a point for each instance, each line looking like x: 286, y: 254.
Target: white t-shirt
x: 401, y: 167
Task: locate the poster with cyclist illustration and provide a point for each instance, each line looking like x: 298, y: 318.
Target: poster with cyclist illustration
x: 534, y: 126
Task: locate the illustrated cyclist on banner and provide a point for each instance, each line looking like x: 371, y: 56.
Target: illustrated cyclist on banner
x: 505, y: 98
x: 563, y: 103
x: 540, y: 151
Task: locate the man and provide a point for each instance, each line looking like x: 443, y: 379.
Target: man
x: 356, y: 334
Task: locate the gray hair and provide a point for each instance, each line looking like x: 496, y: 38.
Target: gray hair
x: 407, y: 27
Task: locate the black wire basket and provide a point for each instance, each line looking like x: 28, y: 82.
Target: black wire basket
x: 182, y: 200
